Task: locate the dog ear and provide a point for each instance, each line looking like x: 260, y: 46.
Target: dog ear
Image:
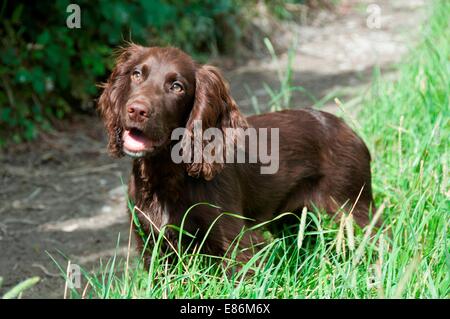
x: 213, y: 107
x: 114, y: 91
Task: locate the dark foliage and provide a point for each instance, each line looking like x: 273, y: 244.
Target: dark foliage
x: 48, y: 70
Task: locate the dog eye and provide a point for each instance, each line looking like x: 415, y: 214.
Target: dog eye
x: 177, y: 87
x: 136, y: 75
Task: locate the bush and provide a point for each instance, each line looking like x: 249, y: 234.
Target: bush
x: 47, y: 70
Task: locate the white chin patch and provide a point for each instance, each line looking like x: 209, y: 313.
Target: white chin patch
x: 134, y: 154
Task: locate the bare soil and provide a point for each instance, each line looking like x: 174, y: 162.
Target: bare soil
x: 63, y: 193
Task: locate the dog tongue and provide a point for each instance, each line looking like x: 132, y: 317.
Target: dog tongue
x: 135, y: 142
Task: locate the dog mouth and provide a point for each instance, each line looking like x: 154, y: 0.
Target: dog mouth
x: 136, y: 143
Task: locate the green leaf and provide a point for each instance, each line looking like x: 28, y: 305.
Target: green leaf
x: 44, y: 38
x: 24, y: 285
x: 17, y: 14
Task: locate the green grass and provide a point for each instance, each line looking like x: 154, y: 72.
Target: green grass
x: 406, y: 125
x: 17, y: 290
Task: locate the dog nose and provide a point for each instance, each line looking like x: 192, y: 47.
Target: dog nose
x: 137, y: 112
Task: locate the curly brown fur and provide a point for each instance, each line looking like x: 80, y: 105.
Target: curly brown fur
x: 152, y: 91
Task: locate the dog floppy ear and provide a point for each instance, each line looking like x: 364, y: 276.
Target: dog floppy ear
x: 213, y: 107
x: 114, y: 91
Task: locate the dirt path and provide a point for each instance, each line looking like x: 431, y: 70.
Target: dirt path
x: 66, y: 193
x: 336, y: 54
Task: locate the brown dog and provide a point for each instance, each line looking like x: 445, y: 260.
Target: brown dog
x: 152, y: 91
